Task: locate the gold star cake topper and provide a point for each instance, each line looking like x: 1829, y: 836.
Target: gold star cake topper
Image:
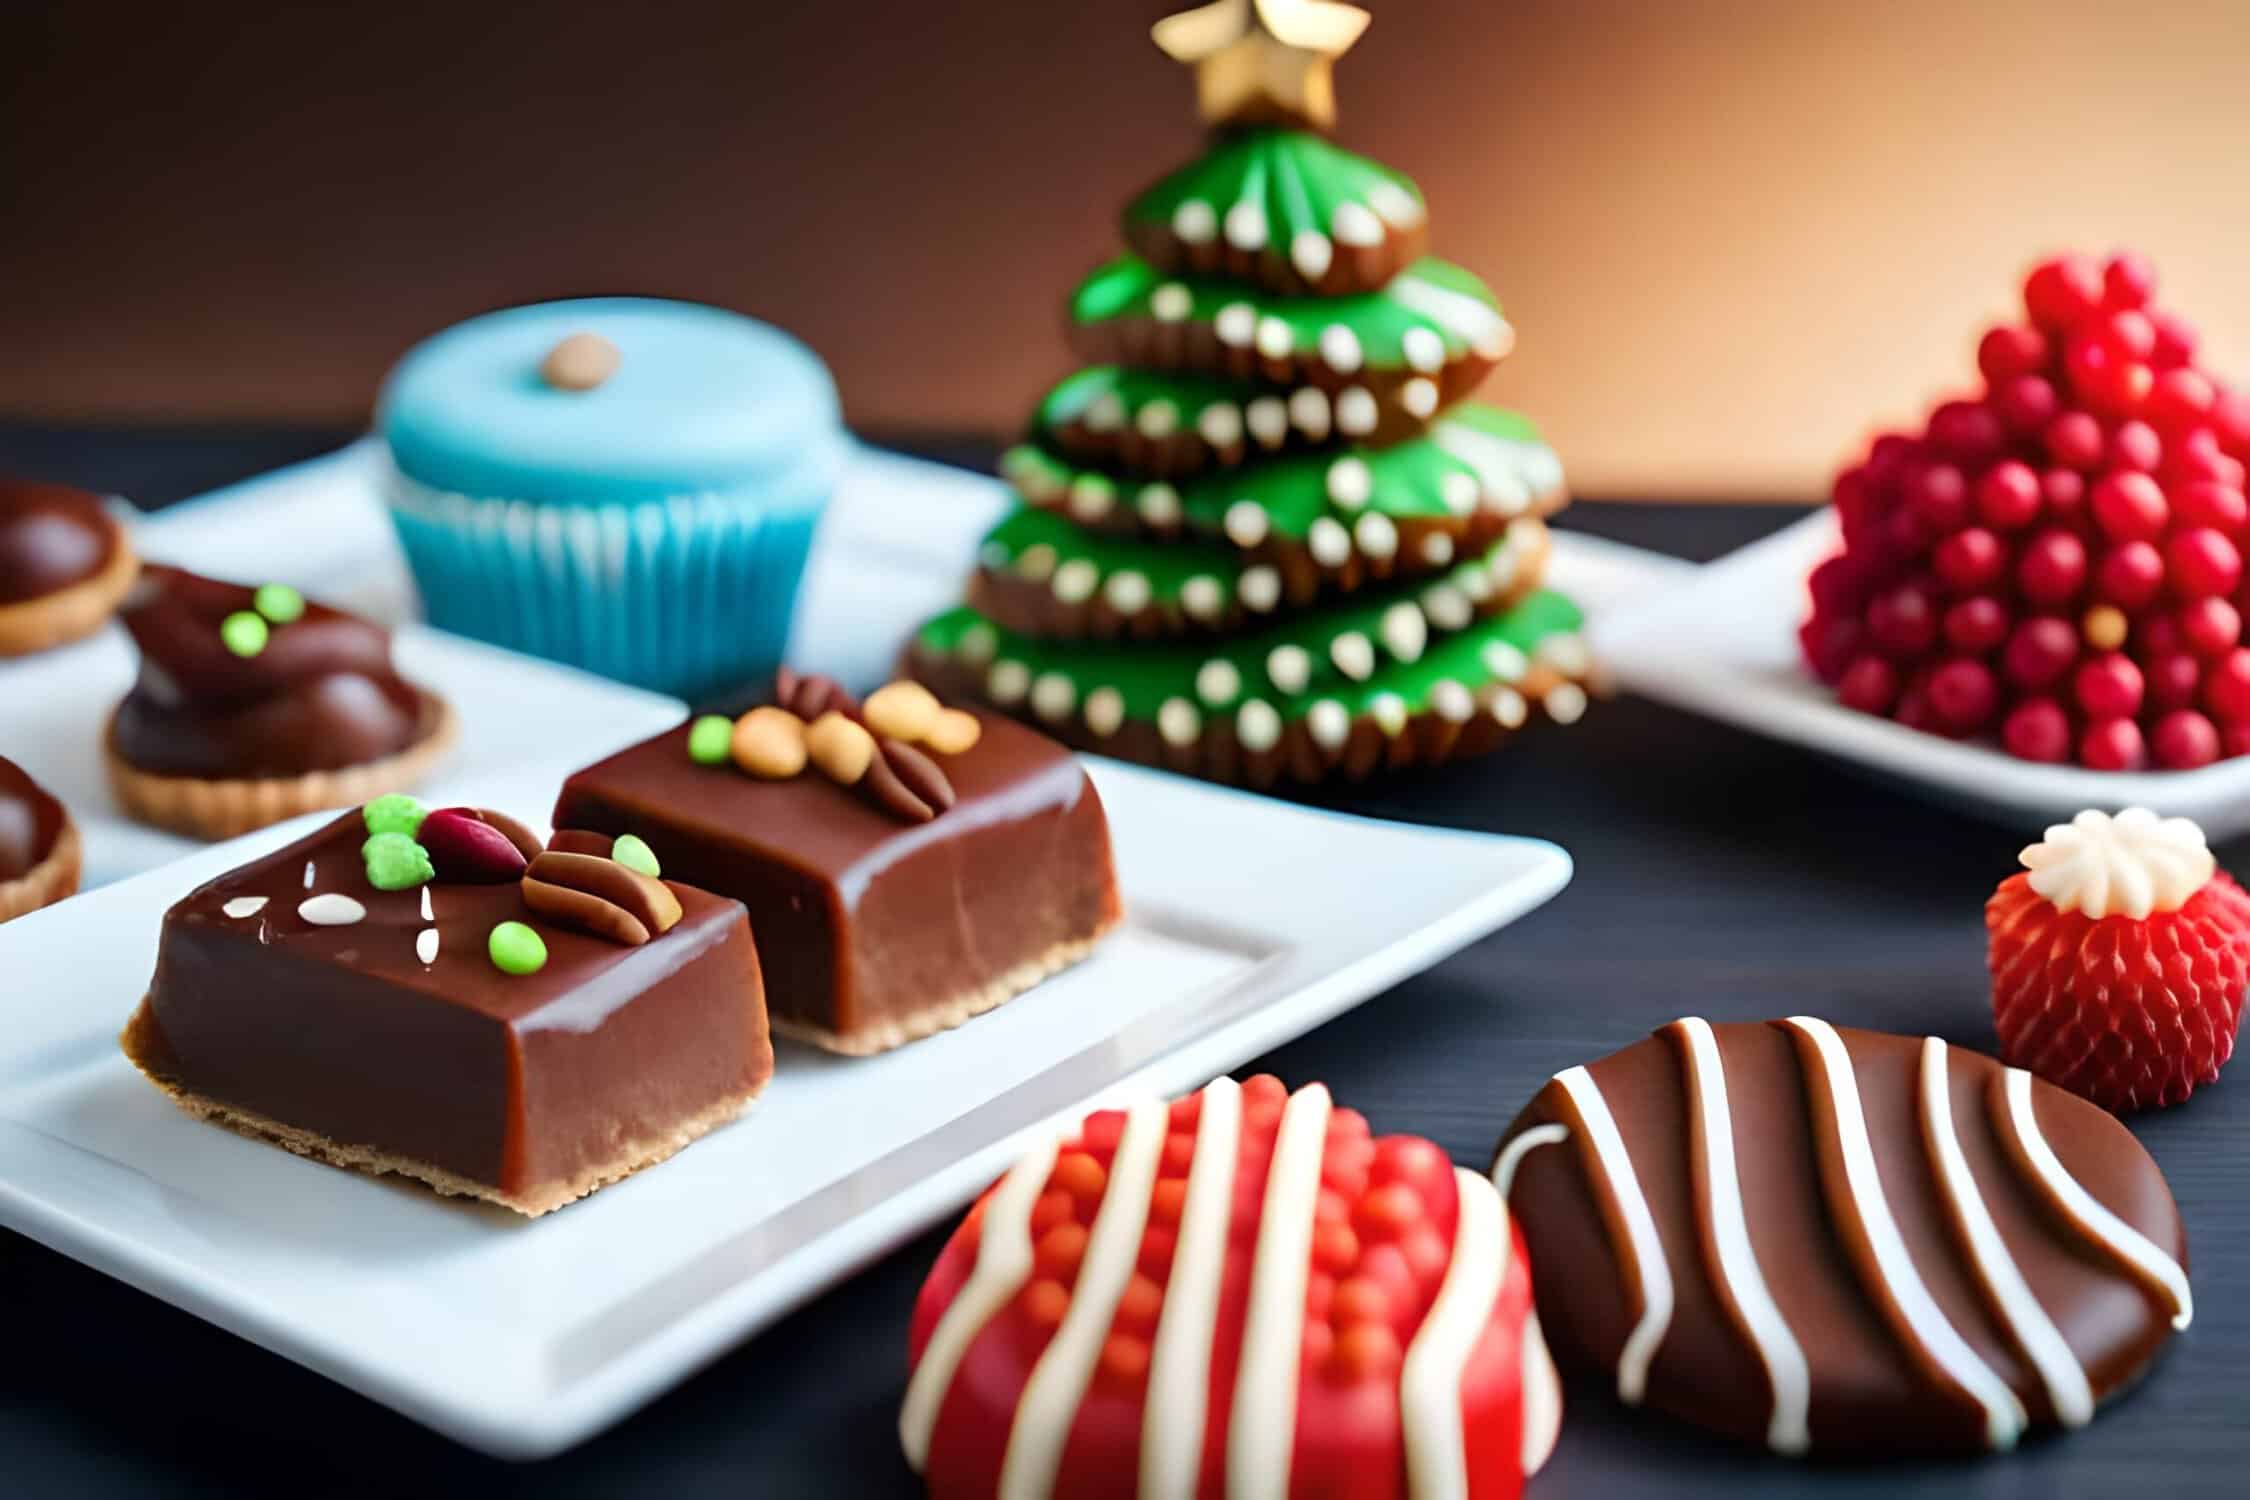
x: 1264, y: 62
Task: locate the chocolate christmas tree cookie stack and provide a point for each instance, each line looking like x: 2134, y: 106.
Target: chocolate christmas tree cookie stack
x: 1267, y: 533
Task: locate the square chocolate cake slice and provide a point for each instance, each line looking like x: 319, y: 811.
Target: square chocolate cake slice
x: 907, y: 866
x: 439, y: 996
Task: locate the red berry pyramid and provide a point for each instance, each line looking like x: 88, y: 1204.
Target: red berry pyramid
x: 2057, y: 562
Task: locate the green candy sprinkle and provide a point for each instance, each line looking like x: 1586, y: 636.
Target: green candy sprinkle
x: 244, y: 633
x: 710, y: 740
x: 516, y: 949
x: 279, y: 603
x: 633, y: 853
x: 396, y: 863
x: 394, y: 813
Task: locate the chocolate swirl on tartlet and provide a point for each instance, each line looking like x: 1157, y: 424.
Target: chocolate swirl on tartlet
x: 63, y: 565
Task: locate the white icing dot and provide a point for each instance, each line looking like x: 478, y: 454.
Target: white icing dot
x: 1507, y: 494
x: 1007, y: 682
x: 244, y: 906
x: 1504, y: 661
x: 994, y: 556
x: 427, y: 914
x: 1354, y: 655
x: 1018, y: 462
x: 1127, y: 592
x: 1092, y: 497
x: 1220, y: 424
x: 1509, y: 708
x: 1246, y: 225
x: 1566, y: 653
x: 1419, y: 397
x: 1423, y: 349
x: 1405, y: 631
x: 1258, y: 726
x: 1157, y: 420
x: 1388, y: 710
x: 1195, y: 221
x: 1329, y: 543
x: 1217, y: 682
x: 426, y: 945
x: 1437, y: 548
x: 1329, y: 723
x: 1452, y: 702
x: 1356, y: 224
x: 1398, y: 207
x: 1053, y: 696
x: 1076, y: 580
x: 1350, y: 483
x: 1237, y: 324
x: 1275, y: 341
x: 308, y: 874
x: 1268, y: 418
x: 1171, y: 302
x: 1447, y: 607
x: 1376, y: 534
x: 1159, y: 504
x: 331, y: 910
x: 1356, y: 412
x: 1311, y: 253
x: 1203, y: 597
x: 1036, y: 562
x: 1289, y: 668
x: 1565, y: 703
x: 1458, y: 490
x: 1339, y: 346
x: 1309, y: 409
x: 1105, y: 413
x: 1259, y: 588
x: 1179, y: 722
x: 1246, y: 523
x: 977, y: 644
x: 1105, y: 711
x: 1475, y: 581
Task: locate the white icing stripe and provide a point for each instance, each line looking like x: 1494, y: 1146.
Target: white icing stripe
x: 1429, y: 1383
x: 1778, y: 1349
x: 1003, y: 1266
x: 1501, y: 463
x: 2034, y: 1332
x: 1512, y: 1155
x: 1542, y: 1397
x: 2088, y: 1216
x: 1894, y: 1263
x: 1179, y: 1367
x: 1263, y: 1427
x: 1467, y: 319
x: 1649, y: 1265
x: 1051, y: 1396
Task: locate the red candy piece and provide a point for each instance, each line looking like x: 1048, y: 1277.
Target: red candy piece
x: 466, y: 850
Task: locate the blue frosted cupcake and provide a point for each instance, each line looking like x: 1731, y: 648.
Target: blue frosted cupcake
x: 624, y: 484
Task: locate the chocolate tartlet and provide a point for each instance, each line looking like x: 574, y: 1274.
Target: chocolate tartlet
x: 39, y: 853
x: 255, y: 705
x: 439, y: 995
x: 906, y: 866
x: 64, y: 565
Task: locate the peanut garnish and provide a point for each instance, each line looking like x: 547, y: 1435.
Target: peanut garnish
x: 769, y: 743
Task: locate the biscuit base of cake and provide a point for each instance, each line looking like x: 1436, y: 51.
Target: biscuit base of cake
x: 69, y: 614
x: 214, y: 809
x: 144, y: 1046
x: 954, y: 1010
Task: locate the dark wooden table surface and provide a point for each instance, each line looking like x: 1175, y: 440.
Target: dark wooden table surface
x: 1718, y: 875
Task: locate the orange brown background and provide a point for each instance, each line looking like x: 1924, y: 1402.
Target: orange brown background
x: 1732, y: 233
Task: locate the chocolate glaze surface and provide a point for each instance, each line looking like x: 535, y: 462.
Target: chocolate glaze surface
x: 51, y: 536
x: 509, y: 1080
x: 862, y: 919
x: 30, y: 821
x: 321, y: 695
x: 1873, y: 1380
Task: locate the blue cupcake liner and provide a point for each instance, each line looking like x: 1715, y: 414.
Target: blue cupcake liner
x: 688, y: 595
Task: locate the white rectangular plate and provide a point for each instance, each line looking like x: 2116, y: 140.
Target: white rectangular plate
x: 1250, y: 922
x: 1724, y: 644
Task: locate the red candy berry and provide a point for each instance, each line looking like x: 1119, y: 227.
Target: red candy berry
x: 2037, y: 729
x: 2052, y: 569
x: 2112, y: 745
x: 2012, y: 350
x: 2202, y: 563
x: 2184, y: 740
x: 2174, y: 679
x: 1970, y: 560
x: 1963, y: 694
x: 2206, y: 502
x: 2211, y: 627
x: 2108, y: 687
x: 1977, y: 624
x: 2040, y: 651
x: 2075, y: 440
x: 2226, y: 686
x: 1940, y: 499
x: 2135, y: 445
x: 2026, y: 403
x: 2131, y: 575
x: 2063, y: 292
x: 2008, y: 496
x: 2131, y: 507
x: 1903, y: 623
x: 1870, y: 684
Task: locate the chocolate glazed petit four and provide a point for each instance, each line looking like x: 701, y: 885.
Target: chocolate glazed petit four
x: 440, y: 995
x: 64, y: 564
x: 1831, y: 1240
x: 255, y: 705
x: 906, y: 865
x: 39, y: 850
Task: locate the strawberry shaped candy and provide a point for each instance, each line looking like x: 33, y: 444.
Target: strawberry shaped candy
x: 2119, y: 959
x: 2056, y: 564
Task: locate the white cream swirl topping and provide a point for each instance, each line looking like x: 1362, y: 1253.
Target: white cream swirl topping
x: 2127, y: 866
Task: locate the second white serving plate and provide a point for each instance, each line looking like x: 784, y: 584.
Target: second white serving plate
x: 1249, y: 922
x: 1723, y: 643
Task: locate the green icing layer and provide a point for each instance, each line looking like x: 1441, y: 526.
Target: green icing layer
x: 1294, y: 182
x: 1493, y: 649
x: 1473, y: 455
x: 1391, y: 330
x: 1128, y: 392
